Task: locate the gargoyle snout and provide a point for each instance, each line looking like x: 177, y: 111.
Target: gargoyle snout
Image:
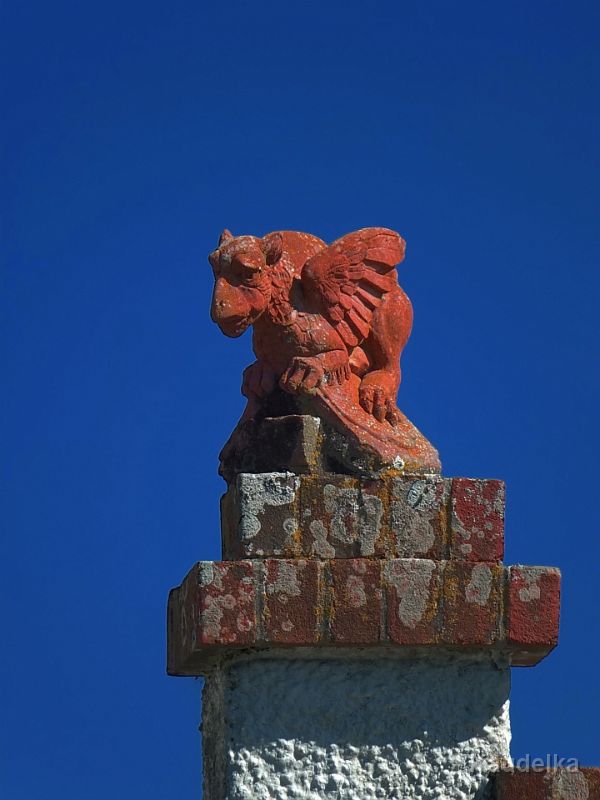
x: 229, y: 309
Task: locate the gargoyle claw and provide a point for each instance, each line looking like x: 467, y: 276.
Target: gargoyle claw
x: 302, y: 375
x: 378, y: 402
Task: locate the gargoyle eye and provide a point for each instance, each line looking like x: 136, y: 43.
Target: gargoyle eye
x: 247, y: 266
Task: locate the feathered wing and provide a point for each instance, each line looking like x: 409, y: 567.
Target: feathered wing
x: 349, y: 279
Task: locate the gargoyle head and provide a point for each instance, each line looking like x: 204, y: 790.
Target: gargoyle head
x: 242, y: 289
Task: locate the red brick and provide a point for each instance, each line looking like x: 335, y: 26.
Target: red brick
x: 413, y: 589
x: 293, y: 606
x: 342, y: 517
x: 472, y: 603
x: 477, y: 520
x: 533, y: 606
x: 182, y: 624
x: 176, y: 655
x: 521, y: 785
x: 357, y: 598
x: 225, y: 609
x: 183, y: 621
x: 259, y: 516
x: 548, y: 784
x: 419, y: 516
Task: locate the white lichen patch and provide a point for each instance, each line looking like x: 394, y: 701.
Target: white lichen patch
x: 414, y: 509
x: 286, y: 581
x: 215, y: 601
x: 256, y: 492
x: 355, y: 516
x: 412, y: 580
x: 531, y: 590
x: 207, y: 574
x: 355, y: 591
x: 211, y: 616
x: 570, y: 783
x: 290, y: 527
x: 320, y: 544
x: 480, y: 585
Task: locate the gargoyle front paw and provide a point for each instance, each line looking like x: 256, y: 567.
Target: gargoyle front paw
x: 259, y: 380
x: 377, y: 399
x: 304, y: 374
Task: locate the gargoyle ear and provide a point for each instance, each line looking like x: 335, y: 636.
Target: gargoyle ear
x: 225, y: 237
x: 272, y: 245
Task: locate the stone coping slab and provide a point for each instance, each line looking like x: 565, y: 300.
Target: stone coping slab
x: 411, y: 603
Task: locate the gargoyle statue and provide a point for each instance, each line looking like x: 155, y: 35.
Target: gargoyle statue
x: 329, y: 321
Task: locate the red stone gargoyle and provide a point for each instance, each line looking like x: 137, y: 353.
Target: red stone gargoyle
x: 330, y: 322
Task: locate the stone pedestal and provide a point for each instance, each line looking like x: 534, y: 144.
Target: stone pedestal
x: 357, y: 636
x: 368, y: 725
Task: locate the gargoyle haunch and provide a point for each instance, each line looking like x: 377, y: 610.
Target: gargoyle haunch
x: 330, y: 323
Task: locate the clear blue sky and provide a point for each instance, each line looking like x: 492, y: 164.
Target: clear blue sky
x: 133, y: 133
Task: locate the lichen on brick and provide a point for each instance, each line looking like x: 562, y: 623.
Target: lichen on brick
x: 418, y: 515
x: 258, y: 492
x: 411, y: 578
x: 320, y: 545
x: 355, y: 516
x: 480, y: 585
x: 286, y: 580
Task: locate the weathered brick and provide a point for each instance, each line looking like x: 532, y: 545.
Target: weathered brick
x: 548, y: 784
x: 355, y: 614
x: 183, y: 621
x: 521, y: 785
x: 175, y: 635
x: 342, y: 517
x: 338, y: 516
x: 292, y: 601
x: 259, y: 516
x: 225, y: 611
x: 232, y: 547
x: 472, y: 603
x: 575, y: 784
x: 413, y: 594
x: 477, y: 520
x: 419, y: 516
x: 533, y: 606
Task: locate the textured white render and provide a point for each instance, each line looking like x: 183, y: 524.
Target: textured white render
x: 354, y: 729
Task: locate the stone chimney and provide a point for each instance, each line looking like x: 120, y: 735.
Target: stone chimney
x: 358, y: 635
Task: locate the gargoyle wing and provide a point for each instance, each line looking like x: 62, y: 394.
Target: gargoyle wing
x: 348, y: 279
